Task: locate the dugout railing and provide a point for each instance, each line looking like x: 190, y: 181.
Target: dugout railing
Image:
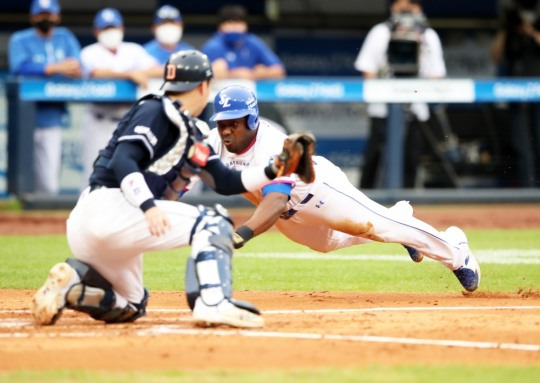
x: 22, y: 94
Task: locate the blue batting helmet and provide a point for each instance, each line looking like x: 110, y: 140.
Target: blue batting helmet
x: 235, y: 102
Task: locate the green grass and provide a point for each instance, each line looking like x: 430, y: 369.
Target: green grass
x: 26, y: 260
x: 11, y: 204
x: 380, y: 374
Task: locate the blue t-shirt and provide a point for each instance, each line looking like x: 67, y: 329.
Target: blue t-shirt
x: 161, y: 54
x: 249, y: 53
x: 30, y: 53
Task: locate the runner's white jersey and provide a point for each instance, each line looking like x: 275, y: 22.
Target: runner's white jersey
x: 267, y: 144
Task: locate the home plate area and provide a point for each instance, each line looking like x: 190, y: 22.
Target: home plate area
x: 302, y: 330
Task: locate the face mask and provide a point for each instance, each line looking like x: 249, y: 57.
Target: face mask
x: 111, y: 38
x: 528, y: 16
x: 231, y: 38
x: 168, y: 34
x: 45, y: 25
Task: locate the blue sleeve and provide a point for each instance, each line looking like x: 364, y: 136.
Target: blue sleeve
x: 74, y: 47
x: 278, y: 187
x: 150, y: 48
x: 20, y: 61
x: 212, y: 49
x: 266, y: 56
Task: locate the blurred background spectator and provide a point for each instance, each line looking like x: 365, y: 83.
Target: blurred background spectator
x: 517, y: 51
x: 46, y: 50
x: 110, y: 57
x: 236, y: 53
x: 167, y: 29
x: 403, y: 46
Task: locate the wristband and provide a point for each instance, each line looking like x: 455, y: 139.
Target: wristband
x: 245, y: 232
x: 136, y: 189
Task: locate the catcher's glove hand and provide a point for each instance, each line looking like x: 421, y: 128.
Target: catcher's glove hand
x: 296, y: 157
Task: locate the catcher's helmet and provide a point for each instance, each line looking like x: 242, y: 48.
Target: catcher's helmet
x: 235, y: 102
x: 185, y: 70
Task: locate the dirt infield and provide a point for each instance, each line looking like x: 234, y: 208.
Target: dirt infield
x: 303, y: 329
x: 465, y: 216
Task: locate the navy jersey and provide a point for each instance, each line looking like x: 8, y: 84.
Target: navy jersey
x: 148, y: 127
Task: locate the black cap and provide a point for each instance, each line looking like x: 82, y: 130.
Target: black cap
x: 232, y: 13
x: 185, y: 70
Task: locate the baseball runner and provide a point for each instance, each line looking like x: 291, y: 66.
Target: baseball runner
x: 156, y: 147
x: 329, y: 213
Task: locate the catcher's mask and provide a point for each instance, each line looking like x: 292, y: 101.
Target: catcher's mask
x: 235, y: 102
x: 185, y: 70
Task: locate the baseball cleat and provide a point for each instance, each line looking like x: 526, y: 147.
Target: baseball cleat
x: 415, y: 255
x: 49, y: 300
x: 404, y: 208
x: 468, y: 273
x: 225, y: 313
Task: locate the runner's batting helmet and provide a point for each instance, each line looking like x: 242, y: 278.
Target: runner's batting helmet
x: 185, y: 70
x: 235, y: 102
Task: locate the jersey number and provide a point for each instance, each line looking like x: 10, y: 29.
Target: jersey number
x: 171, y: 72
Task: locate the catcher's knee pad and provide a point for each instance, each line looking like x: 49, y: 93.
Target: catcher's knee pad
x: 94, y: 295
x: 212, y: 220
x: 208, y: 271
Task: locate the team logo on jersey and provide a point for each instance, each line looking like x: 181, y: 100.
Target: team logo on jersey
x: 224, y: 100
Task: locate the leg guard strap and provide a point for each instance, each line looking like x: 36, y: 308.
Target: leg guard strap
x: 95, y: 297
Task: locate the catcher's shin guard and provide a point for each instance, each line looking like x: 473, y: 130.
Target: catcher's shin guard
x: 95, y: 296
x: 209, y: 275
x: 209, y: 267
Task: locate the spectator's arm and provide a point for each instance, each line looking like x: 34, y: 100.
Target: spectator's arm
x: 270, y: 66
x: 434, y: 66
x: 220, y: 68
x: 74, y: 47
x: 261, y: 72
x: 149, y: 65
x: 70, y: 67
x: 20, y: 62
x: 372, y: 55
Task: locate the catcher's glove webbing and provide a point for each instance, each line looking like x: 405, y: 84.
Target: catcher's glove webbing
x: 296, y: 156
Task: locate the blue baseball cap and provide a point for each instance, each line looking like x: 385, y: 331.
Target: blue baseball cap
x: 167, y: 13
x: 108, y: 17
x: 42, y: 6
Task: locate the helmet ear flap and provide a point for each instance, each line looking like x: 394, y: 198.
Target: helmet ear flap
x: 252, y: 121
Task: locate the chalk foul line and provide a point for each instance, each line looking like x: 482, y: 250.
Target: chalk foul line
x: 179, y: 329
x: 503, y: 256
x: 161, y: 330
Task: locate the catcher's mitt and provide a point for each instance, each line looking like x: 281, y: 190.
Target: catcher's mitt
x: 296, y: 156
